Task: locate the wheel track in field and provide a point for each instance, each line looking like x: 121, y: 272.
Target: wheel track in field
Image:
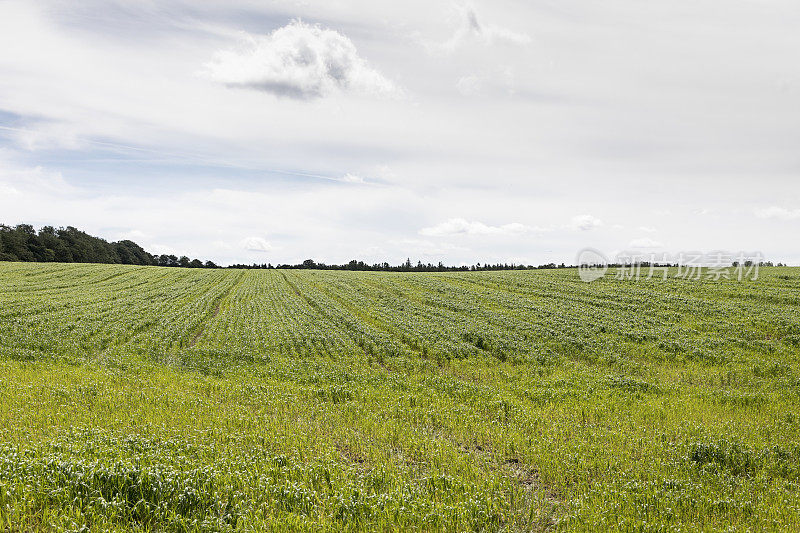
x: 216, y: 306
x: 348, y: 307
x: 438, y: 310
x: 154, y: 282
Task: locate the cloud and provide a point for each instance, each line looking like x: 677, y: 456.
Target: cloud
x: 134, y: 235
x: 780, y: 213
x: 460, y: 226
x: 427, y: 248
x: 585, y: 222
x: 300, y: 61
x: 469, y: 85
x: 256, y: 244
x: 647, y: 229
x: 497, y: 82
x: 645, y: 242
x: 7, y: 190
x: 16, y: 179
x: 471, y: 29
x: 47, y: 136
x: 352, y: 178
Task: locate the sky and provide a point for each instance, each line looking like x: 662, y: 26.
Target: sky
x: 248, y: 131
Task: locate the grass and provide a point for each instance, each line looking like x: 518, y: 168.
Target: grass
x: 144, y: 398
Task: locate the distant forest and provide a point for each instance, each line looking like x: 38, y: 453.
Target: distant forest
x: 71, y: 245
x: 408, y: 266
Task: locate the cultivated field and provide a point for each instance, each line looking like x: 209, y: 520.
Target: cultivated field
x: 180, y: 399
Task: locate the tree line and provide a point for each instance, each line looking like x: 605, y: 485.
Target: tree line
x: 407, y: 266
x: 71, y: 245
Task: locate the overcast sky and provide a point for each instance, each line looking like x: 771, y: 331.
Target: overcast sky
x: 244, y: 131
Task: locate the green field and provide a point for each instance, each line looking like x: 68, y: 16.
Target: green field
x: 146, y: 398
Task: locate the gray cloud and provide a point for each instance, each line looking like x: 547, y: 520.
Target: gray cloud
x: 300, y: 61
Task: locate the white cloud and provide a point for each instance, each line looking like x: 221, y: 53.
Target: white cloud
x: 493, y: 82
x: 16, y: 179
x: 488, y: 34
x: 300, y: 61
x: 469, y: 85
x: 352, y: 178
x: 256, y: 244
x: 647, y: 229
x: 426, y: 248
x: 460, y: 226
x: 48, y: 135
x: 134, y: 235
x: 7, y: 190
x: 585, y: 222
x: 159, y: 249
x: 645, y: 242
x: 780, y: 213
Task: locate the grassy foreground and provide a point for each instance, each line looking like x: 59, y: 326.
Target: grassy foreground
x: 145, y: 398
